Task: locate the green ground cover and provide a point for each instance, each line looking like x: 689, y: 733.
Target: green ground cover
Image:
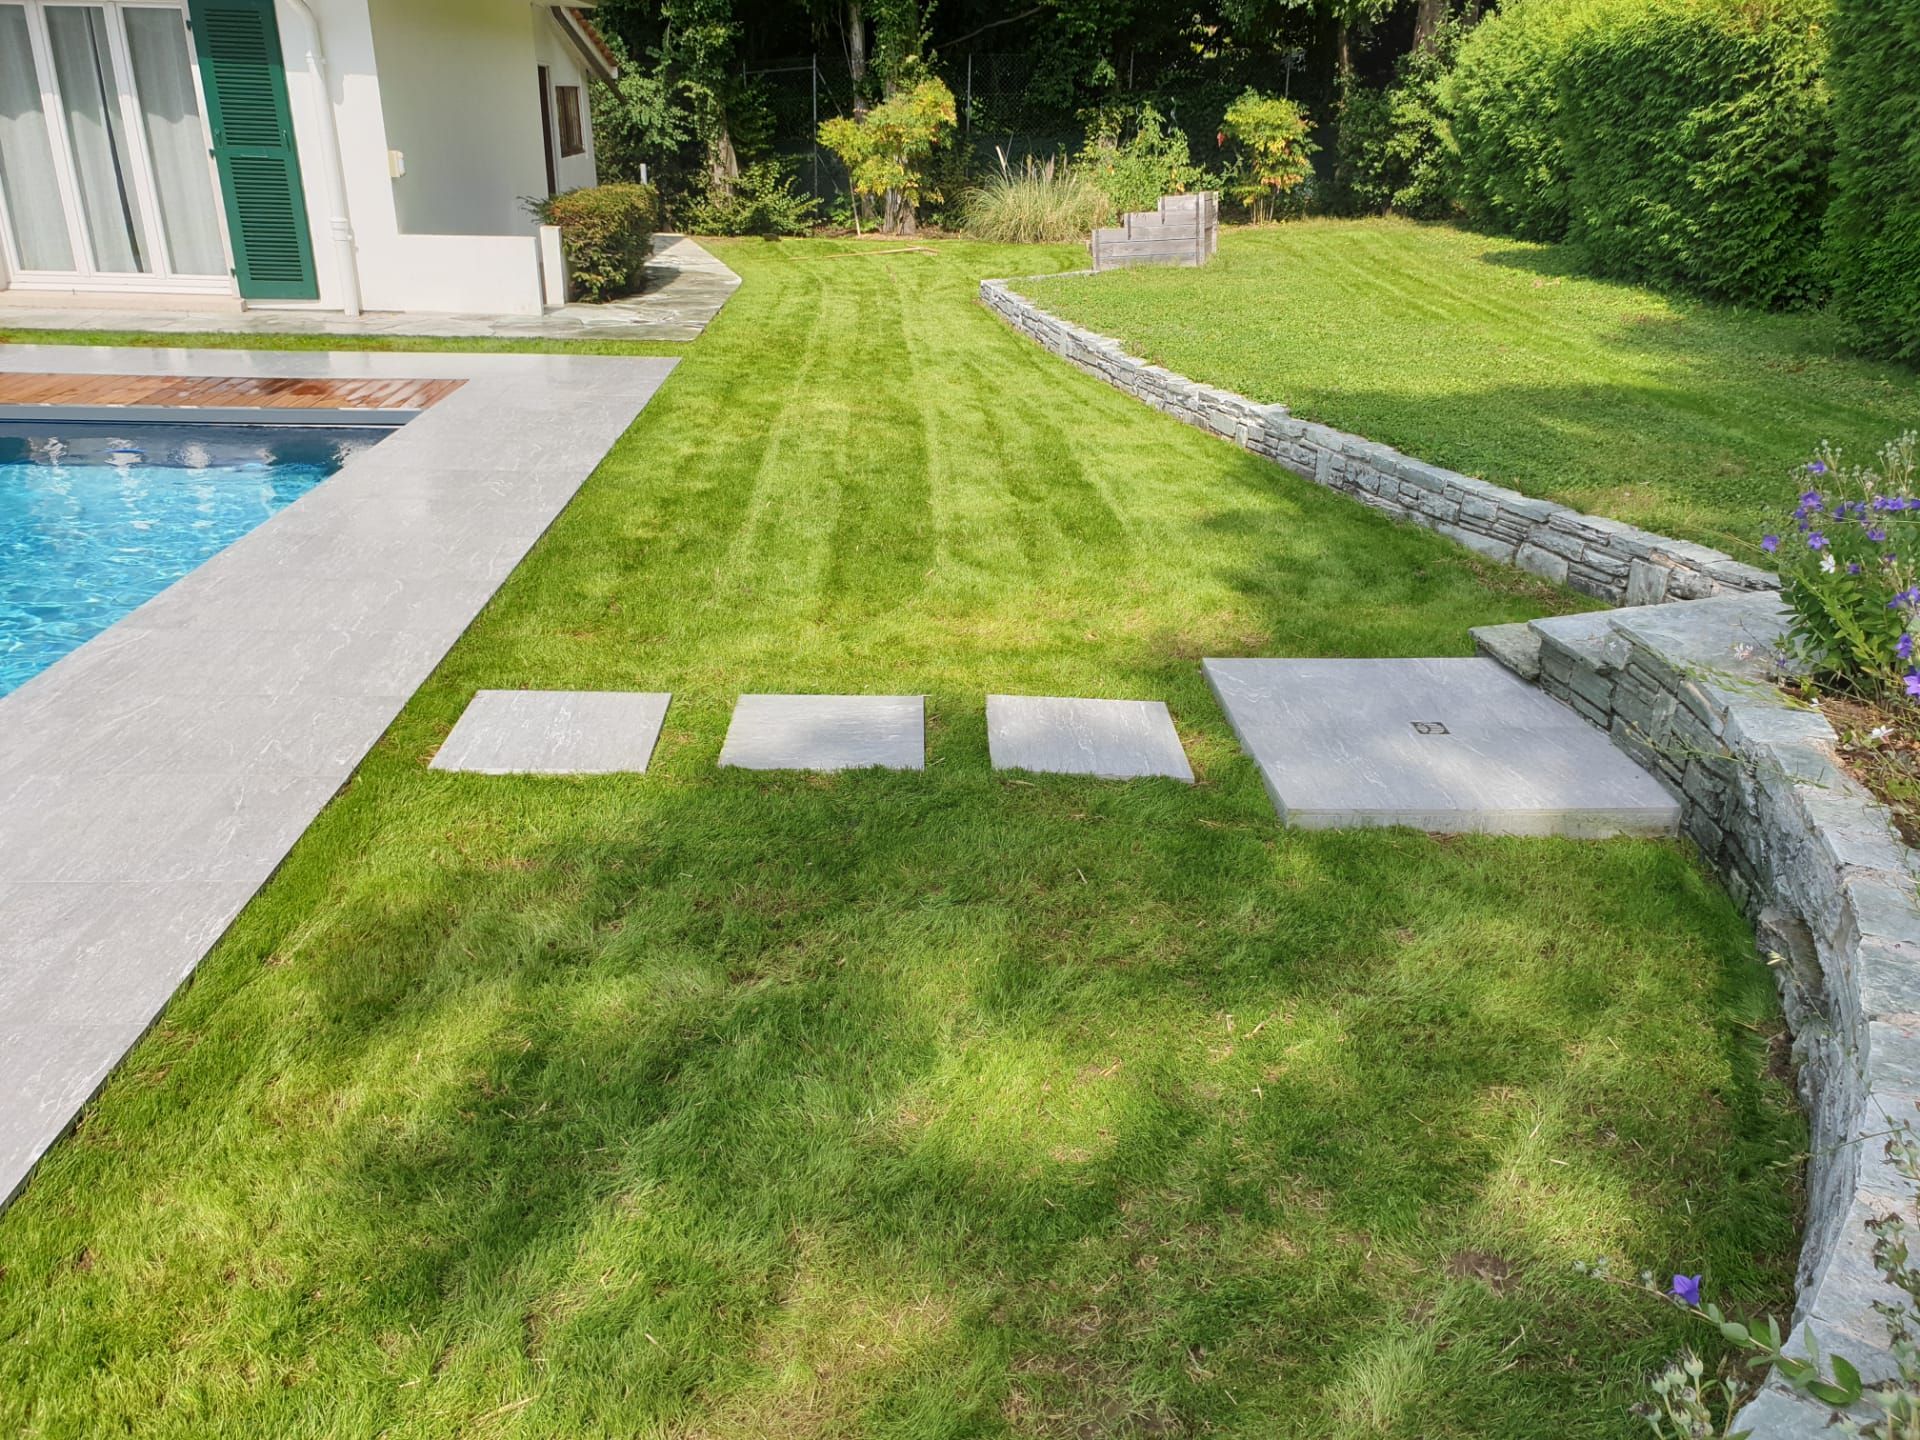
x: 950, y: 1104
x: 1498, y: 358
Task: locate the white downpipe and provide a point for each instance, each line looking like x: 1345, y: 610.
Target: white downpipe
x: 339, y: 222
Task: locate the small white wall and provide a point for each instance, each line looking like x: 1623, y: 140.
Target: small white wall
x: 468, y: 66
x: 556, y: 51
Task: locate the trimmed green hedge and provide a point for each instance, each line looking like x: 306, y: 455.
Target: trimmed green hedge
x: 1685, y: 143
x: 1503, y: 103
x: 1873, y: 224
x: 607, y: 234
x: 1697, y: 142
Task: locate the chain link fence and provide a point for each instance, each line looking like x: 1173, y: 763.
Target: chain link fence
x: 995, y: 106
x: 1005, y: 105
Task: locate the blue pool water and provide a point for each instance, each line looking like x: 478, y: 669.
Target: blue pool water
x: 98, y: 517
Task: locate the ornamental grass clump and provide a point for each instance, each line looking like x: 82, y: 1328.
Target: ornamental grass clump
x: 1037, y: 202
x: 1850, y: 573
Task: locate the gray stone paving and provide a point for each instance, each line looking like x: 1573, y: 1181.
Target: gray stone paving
x: 685, y: 288
x: 153, y: 779
x: 1448, y: 745
x: 555, y: 732
x: 1113, y: 739
x: 827, y: 732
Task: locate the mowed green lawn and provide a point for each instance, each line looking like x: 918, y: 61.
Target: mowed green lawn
x: 950, y: 1104
x: 1498, y: 358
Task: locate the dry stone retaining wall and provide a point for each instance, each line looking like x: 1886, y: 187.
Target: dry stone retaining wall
x: 1809, y: 855
x: 1601, y: 557
x: 1815, y: 862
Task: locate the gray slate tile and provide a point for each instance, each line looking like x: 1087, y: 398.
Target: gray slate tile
x: 1115, y: 739
x: 555, y: 732
x: 827, y: 732
x: 1444, y: 745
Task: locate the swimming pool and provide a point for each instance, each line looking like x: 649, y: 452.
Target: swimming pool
x: 97, y: 517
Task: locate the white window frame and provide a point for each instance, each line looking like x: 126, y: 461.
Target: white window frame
x: 162, y: 278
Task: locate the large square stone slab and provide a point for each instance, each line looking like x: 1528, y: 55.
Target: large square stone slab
x: 1444, y: 745
x: 1114, y: 739
x: 827, y: 732
x: 555, y: 732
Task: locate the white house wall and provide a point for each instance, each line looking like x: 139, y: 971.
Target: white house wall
x: 461, y: 99
x: 452, y: 85
x: 553, y: 49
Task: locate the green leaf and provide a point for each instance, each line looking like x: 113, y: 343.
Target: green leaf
x: 1847, y: 1376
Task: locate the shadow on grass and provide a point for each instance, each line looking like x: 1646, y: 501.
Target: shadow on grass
x: 874, y: 1098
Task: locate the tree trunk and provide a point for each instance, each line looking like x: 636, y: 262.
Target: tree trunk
x: 857, y: 53
x: 723, y: 164
x: 1427, y: 21
x: 1345, y: 50
x: 856, y: 23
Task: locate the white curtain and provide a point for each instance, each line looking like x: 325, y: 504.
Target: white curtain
x: 90, y: 94
x: 37, y: 217
x: 170, y: 111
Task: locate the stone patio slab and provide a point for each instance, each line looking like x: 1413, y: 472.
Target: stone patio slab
x: 685, y: 287
x: 1447, y: 745
x: 555, y: 732
x: 1113, y: 739
x: 827, y: 732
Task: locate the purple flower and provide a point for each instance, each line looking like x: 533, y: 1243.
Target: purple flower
x: 1770, y: 543
x: 1904, y: 649
x: 1876, y: 535
x: 1913, y: 684
x: 1816, y: 467
x: 1853, y: 567
x: 1686, y: 1289
x: 1816, y: 541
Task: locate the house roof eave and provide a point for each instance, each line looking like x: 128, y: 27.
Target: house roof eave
x: 595, y: 51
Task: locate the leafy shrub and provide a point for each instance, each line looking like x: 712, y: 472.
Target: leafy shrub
x: 1502, y: 102
x: 1275, y: 155
x: 1873, y: 224
x: 1850, y: 573
x: 606, y: 232
x: 1135, y: 157
x: 887, y: 151
x: 1395, y: 149
x: 1037, y: 203
x: 1697, y: 143
x: 763, y: 202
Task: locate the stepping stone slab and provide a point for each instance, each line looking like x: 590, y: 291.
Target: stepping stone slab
x: 827, y: 732
x: 555, y: 732
x: 1114, y: 739
x: 1445, y: 745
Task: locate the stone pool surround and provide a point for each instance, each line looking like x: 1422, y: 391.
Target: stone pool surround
x: 1811, y: 858
x: 1597, y: 556
x: 152, y: 780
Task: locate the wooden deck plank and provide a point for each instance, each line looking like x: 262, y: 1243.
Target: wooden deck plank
x: 222, y: 392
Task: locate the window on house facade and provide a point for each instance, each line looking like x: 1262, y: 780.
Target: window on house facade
x: 566, y: 100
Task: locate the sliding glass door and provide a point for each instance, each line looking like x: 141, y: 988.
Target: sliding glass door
x: 106, y: 180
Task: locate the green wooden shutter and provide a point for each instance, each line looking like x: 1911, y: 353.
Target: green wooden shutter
x: 245, y: 81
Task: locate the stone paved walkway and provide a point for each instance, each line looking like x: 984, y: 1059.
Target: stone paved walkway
x: 686, y: 286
